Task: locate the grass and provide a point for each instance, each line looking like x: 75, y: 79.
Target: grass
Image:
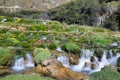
x: 32, y: 76
x: 106, y: 74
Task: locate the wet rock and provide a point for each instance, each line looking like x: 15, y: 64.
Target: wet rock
x: 73, y: 59
x: 5, y: 70
x: 93, y: 66
x: 86, y: 64
x: 99, y: 52
x: 92, y: 59
x: 118, y: 62
x: 55, y: 69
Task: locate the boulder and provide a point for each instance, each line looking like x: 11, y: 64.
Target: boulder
x: 73, y: 59
x: 56, y: 70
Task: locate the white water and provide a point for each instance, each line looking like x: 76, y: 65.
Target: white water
x: 20, y: 64
x: 84, y: 64
x: 59, y: 49
x: 29, y: 61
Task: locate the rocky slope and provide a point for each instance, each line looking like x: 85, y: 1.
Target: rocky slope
x: 32, y: 4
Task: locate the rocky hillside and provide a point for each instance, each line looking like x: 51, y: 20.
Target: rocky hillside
x: 32, y: 4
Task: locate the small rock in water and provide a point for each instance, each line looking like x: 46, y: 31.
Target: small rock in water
x: 114, y: 45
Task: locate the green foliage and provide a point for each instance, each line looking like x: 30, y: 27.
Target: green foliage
x: 6, y: 55
x: 106, y: 74
x: 41, y: 54
x: 12, y: 41
x: 38, y: 28
x: 52, y: 46
x: 101, y: 40
x: 82, y: 12
x: 71, y: 47
x: 32, y: 76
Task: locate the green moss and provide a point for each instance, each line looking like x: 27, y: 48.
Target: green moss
x: 41, y: 54
x: 6, y: 56
x: 71, y: 47
x: 101, y: 40
x: 106, y: 74
x: 26, y: 77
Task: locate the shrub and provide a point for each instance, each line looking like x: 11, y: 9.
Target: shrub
x: 106, y: 74
x: 100, y: 40
x: 6, y: 56
x: 12, y: 41
x: 26, y: 77
x: 71, y: 47
x: 52, y: 46
x: 41, y: 54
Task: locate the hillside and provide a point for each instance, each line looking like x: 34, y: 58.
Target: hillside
x: 34, y: 5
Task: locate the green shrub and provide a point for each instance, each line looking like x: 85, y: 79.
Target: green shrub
x: 106, y: 74
x: 26, y: 77
x: 52, y: 46
x: 6, y: 56
x: 100, y: 40
x: 41, y: 54
x: 12, y: 41
x: 71, y: 47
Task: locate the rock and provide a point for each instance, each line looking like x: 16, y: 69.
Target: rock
x: 55, y: 69
x: 73, y: 59
x: 5, y: 70
x: 93, y: 66
x: 92, y: 59
x: 118, y: 62
x: 41, y: 70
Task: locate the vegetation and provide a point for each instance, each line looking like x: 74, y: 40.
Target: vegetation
x: 41, y: 54
x: 71, y: 47
x: 6, y: 56
x: 106, y: 74
x: 26, y: 77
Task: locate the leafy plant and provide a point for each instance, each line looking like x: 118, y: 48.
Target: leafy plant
x: 71, y: 47
x: 6, y: 55
x: 41, y: 54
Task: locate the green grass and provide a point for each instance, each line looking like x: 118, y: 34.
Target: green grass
x: 106, y: 74
x: 32, y: 76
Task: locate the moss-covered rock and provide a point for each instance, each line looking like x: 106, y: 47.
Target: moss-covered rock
x: 41, y: 54
x: 26, y: 77
x: 6, y: 56
x: 106, y: 74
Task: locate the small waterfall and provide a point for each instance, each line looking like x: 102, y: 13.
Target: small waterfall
x: 86, y: 65
x: 20, y: 64
x: 29, y: 61
x: 64, y: 60
x: 59, y: 49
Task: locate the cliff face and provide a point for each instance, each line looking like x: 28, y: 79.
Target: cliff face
x: 35, y: 5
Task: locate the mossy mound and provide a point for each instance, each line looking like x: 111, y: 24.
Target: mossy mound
x: 106, y: 74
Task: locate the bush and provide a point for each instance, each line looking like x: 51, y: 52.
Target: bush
x: 71, y: 47
x: 41, y: 54
x: 52, y: 46
x: 106, y: 74
x: 6, y: 56
x: 26, y: 77
x: 12, y: 41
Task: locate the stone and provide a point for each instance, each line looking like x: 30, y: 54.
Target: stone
x: 56, y: 70
x: 73, y: 59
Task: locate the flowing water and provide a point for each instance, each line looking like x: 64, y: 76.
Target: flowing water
x: 20, y: 64
x: 86, y: 65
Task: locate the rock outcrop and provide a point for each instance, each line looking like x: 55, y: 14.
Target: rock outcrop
x: 55, y: 69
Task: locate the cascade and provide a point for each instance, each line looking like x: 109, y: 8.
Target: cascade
x: 86, y: 65
x: 20, y: 64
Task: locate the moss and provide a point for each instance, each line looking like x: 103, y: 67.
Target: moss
x: 52, y: 46
x: 32, y: 76
x: 106, y: 74
x: 71, y: 47
x: 6, y: 55
x: 41, y: 54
